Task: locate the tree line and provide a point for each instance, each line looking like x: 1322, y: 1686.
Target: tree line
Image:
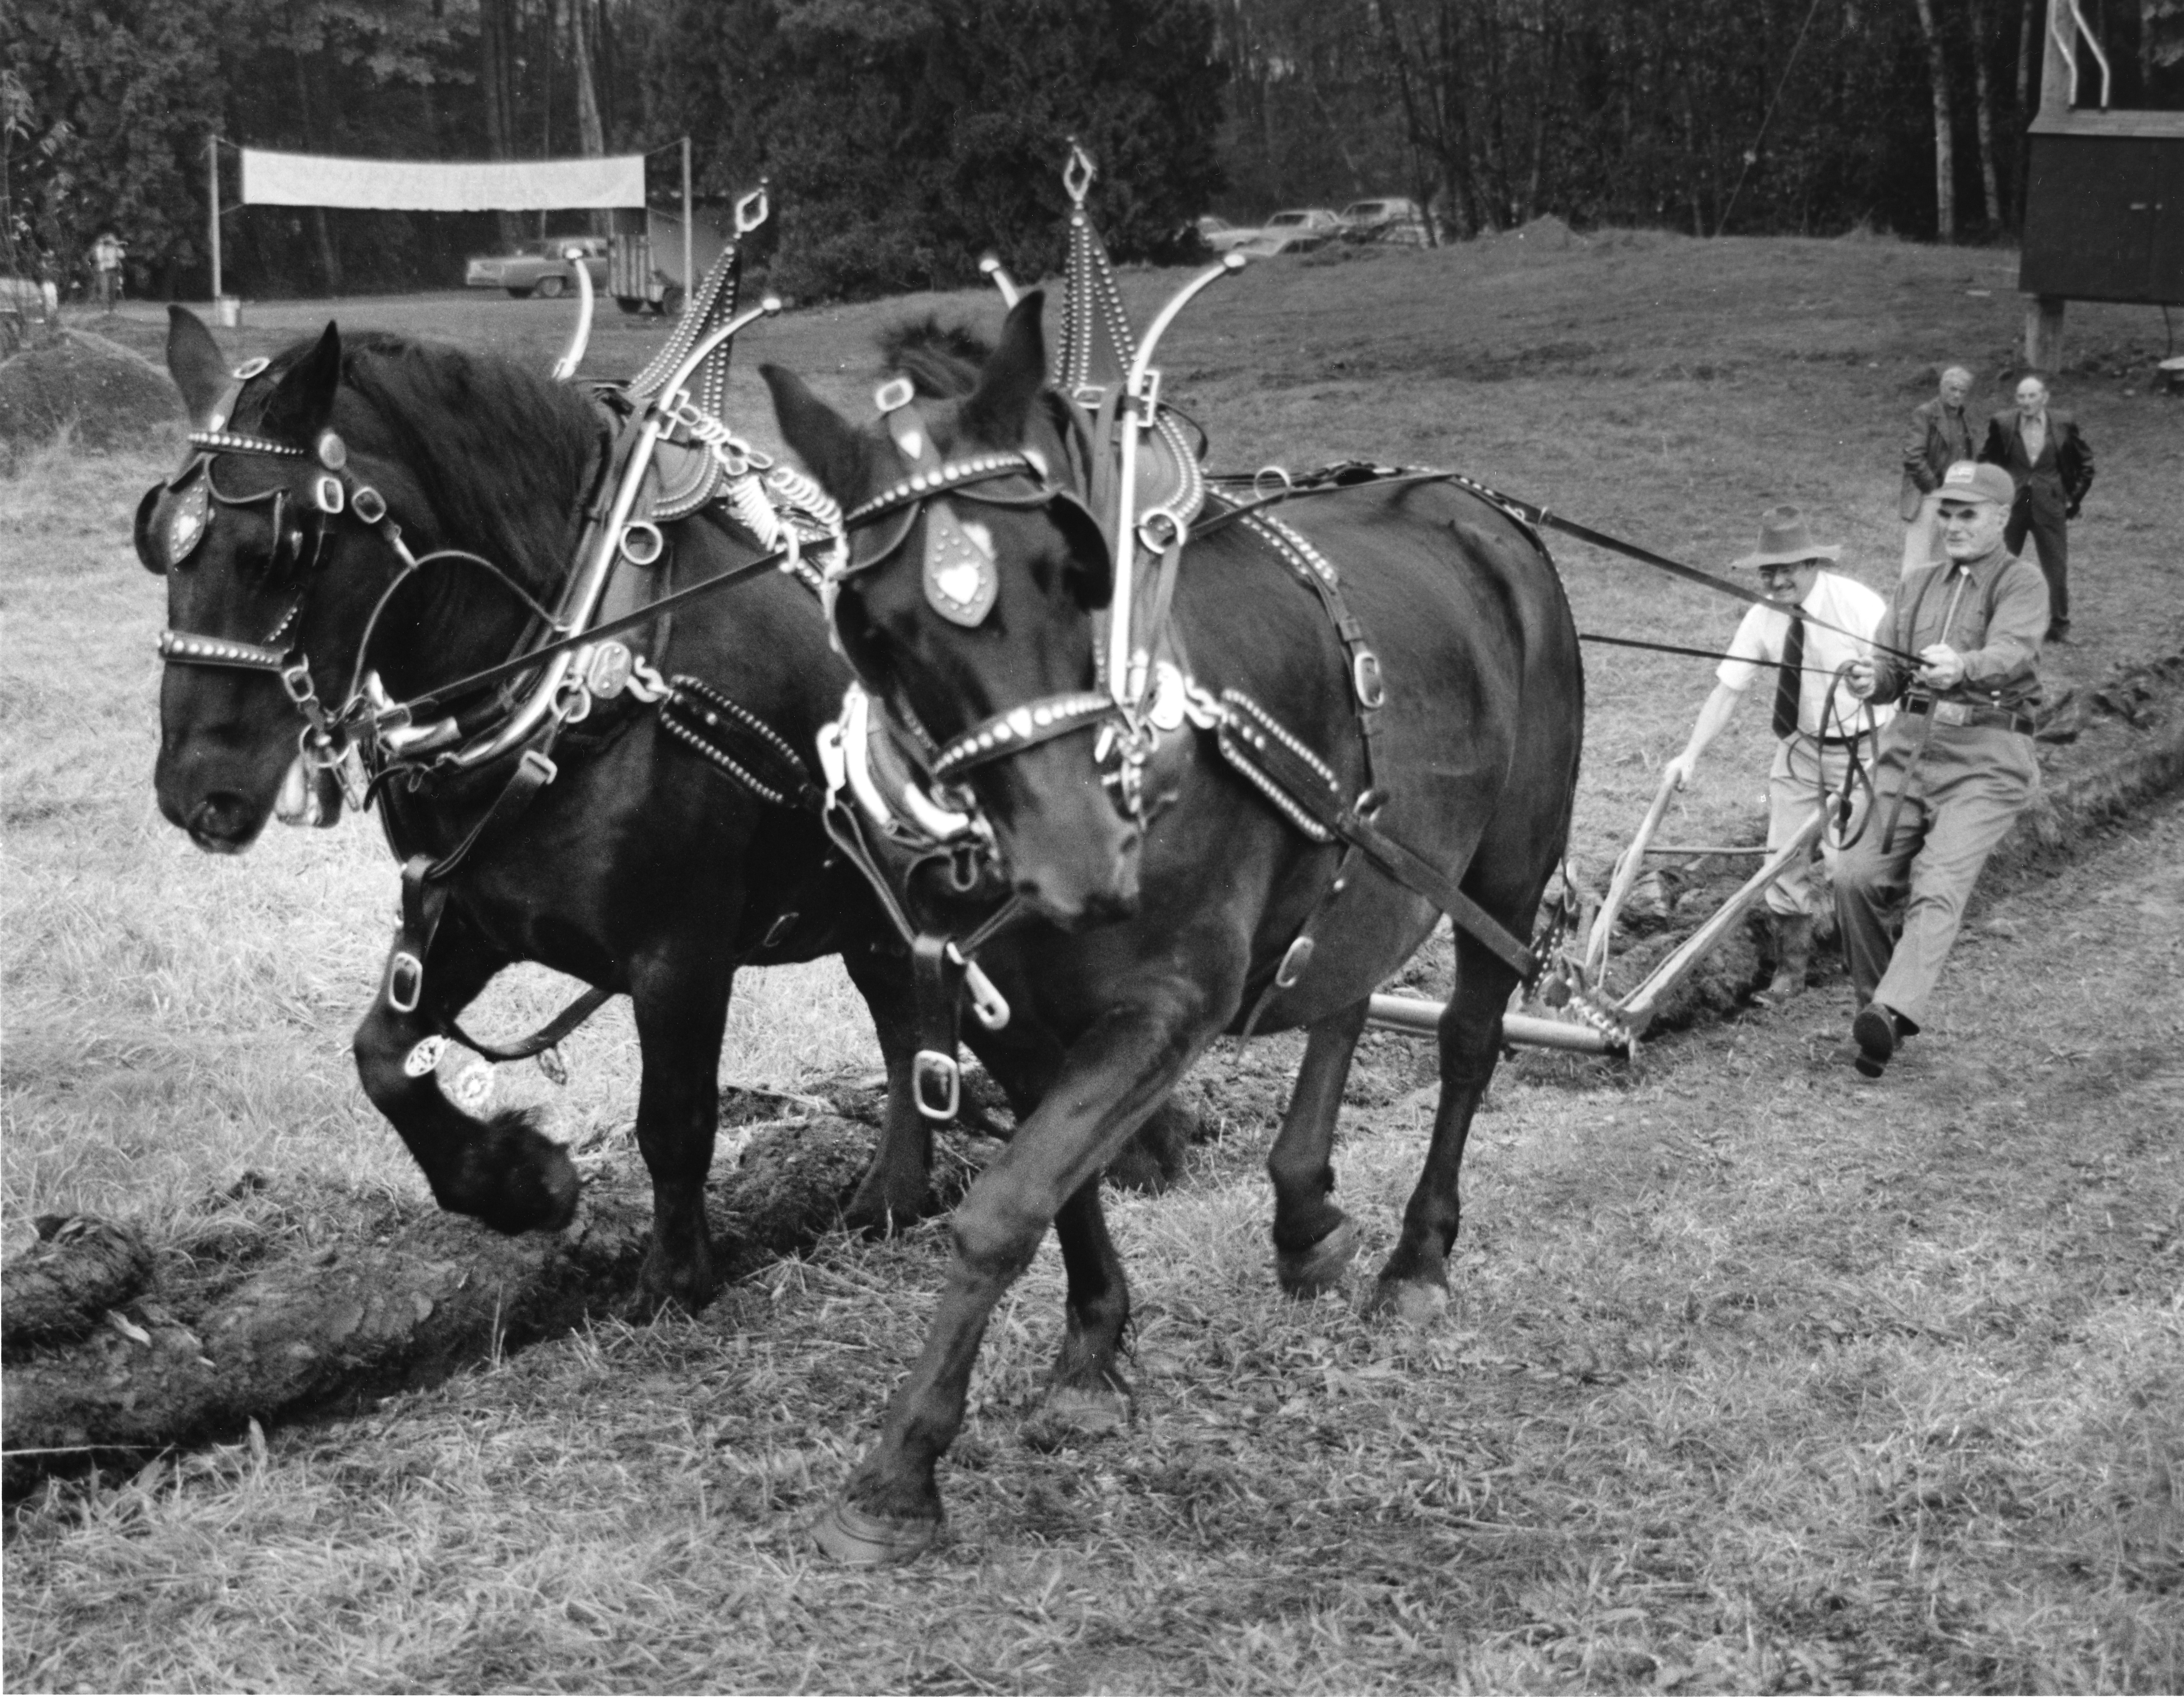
x: 906, y: 137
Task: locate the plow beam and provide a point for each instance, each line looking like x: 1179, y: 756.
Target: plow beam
x: 1637, y: 1007
x: 1420, y: 1018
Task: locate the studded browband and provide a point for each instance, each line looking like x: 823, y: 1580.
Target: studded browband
x: 921, y: 486
x: 1022, y: 727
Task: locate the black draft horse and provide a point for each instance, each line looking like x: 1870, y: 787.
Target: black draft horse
x: 1153, y: 941
x: 637, y: 869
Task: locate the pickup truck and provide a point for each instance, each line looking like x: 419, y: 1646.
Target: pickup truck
x: 545, y: 268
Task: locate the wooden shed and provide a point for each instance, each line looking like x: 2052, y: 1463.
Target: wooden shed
x: 2104, y: 197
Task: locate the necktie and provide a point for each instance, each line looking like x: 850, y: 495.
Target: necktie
x: 1790, y: 681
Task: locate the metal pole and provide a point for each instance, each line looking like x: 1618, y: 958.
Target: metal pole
x: 1422, y: 1018
x: 689, y: 244
x: 212, y: 212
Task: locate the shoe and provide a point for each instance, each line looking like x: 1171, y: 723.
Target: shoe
x: 1874, y: 1032
x: 2060, y: 632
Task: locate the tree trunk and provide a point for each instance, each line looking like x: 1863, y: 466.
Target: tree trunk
x: 2029, y: 54
x: 497, y: 83
x: 1945, y: 154
x: 329, y: 260
x: 1542, y: 105
x: 1985, y: 110
x: 591, y: 129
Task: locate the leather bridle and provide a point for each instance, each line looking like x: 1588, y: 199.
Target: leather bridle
x: 335, y: 492
x: 1013, y: 729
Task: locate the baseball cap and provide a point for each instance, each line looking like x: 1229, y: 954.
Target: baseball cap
x: 1970, y: 480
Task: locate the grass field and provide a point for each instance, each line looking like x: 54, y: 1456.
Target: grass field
x: 1759, y: 1379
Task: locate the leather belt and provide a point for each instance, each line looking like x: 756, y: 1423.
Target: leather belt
x: 1964, y: 713
x: 1836, y: 741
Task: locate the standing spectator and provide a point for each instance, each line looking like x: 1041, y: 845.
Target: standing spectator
x: 1817, y: 725
x: 106, y: 256
x: 1956, y: 767
x: 2046, y: 455
x: 1940, y: 435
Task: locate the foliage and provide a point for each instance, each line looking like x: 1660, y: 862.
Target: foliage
x: 906, y: 140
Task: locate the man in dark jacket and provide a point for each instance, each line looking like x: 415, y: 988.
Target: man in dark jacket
x: 1960, y: 649
x: 1940, y: 435
x: 2047, y: 457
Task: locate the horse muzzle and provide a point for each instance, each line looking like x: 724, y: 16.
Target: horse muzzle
x: 1084, y: 890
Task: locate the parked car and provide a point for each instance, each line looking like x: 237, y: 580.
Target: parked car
x: 1391, y: 218
x: 545, y: 268
x: 1297, y: 230
x: 1220, y: 235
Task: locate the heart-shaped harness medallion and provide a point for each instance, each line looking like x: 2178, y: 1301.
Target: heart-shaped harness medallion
x: 959, y: 579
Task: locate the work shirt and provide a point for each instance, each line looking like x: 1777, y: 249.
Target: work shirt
x: 1991, y: 611
x: 1756, y: 651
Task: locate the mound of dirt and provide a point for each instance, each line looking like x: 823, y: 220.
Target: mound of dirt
x: 1545, y: 234
x: 108, y: 395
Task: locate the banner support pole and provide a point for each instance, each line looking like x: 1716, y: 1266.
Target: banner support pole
x: 212, y: 210
x: 689, y: 245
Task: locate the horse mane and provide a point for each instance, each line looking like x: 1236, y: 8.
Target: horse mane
x: 506, y: 457
x: 941, y: 360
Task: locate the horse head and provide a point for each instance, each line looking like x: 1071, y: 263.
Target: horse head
x: 313, y: 482
x: 966, y: 605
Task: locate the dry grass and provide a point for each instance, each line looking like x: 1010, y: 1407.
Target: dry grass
x: 1759, y: 1379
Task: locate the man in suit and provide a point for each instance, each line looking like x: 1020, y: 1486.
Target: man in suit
x: 1940, y: 435
x: 2047, y: 457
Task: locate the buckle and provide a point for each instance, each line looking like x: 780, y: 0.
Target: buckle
x: 296, y: 679
x: 406, y: 981
x: 936, y: 1083
x: 1952, y: 713
x: 1365, y: 678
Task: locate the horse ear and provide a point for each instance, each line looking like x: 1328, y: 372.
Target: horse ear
x: 999, y: 410
x: 822, y: 438
x: 302, y: 406
x: 195, y: 362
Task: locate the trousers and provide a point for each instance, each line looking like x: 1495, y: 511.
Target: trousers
x: 1971, y: 785
x: 2050, y: 531
x: 1800, y: 767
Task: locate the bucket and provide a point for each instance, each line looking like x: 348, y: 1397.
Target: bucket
x: 227, y: 312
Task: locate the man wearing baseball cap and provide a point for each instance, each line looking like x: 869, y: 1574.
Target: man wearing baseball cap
x: 1956, y: 767
x: 1816, y: 622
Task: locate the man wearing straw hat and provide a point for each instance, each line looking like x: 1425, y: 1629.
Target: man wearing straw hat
x: 1817, y: 622
x: 1955, y: 768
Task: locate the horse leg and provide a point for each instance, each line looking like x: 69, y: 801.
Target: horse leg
x: 1114, y: 1076
x: 1314, y: 1239
x: 1413, y: 1286
x: 1087, y: 1396
x: 681, y: 1000
x: 894, y: 1190
x: 502, y: 1170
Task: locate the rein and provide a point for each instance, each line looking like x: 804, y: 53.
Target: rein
x: 1537, y: 516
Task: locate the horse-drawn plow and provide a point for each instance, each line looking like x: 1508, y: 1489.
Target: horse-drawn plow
x: 1576, y: 1011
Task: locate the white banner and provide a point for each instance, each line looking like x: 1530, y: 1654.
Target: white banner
x: 271, y: 178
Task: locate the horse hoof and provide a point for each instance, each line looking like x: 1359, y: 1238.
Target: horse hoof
x: 1078, y: 1414
x: 1409, y: 1301
x: 882, y: 1215
x: 857, y: 1539
x: 1317, y: 1270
